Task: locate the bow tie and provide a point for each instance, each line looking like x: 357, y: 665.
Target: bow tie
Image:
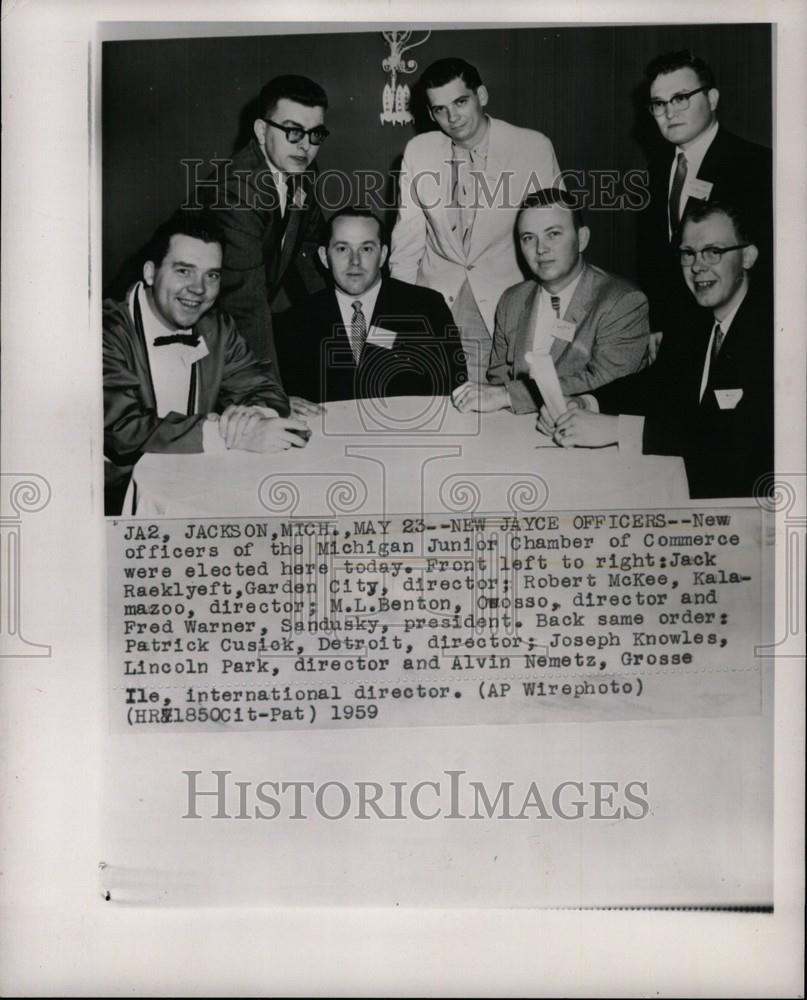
x: 189, y: 339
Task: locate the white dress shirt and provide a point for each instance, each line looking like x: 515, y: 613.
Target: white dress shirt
x: 368, y: 300
x: 545, y: 315
x: 725, y: 325
x: 170, y: 366
x: 694, y: 157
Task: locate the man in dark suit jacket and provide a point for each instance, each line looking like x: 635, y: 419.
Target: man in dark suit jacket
x: 265, y: 206
x: 701, y: 161
x: 369, y: 335
x: 709, y: 396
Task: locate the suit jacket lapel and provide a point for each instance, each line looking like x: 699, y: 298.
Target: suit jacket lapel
x: 446, y: 157
x: 290, y: 236
x: 525, y: 330
x: 577, y: 310
x: 495, y: 169
x: 709, y: 167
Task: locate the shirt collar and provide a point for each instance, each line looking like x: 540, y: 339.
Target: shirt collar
x: 697, y: 151
x: 368, y: 301
x: 152, y: 328
x: 480, y: 151
x: 565, y: 296
x: 726, y: 323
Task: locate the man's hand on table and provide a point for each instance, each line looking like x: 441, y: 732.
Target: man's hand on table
x: 480, y: 397
x: 546, y: 425
x: 256, y: 428
x: 582, y: 428
x: 304, y: 408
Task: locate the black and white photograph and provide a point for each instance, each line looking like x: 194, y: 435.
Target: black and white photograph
x: 447, y: 161
x: 403, y: 500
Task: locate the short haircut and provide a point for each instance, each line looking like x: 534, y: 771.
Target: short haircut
x: 353, y: 212
x: 669, y: 62
x: 199, y: 225
x: 546, y: 197
x: 294, y: 88
x: 445, y: 70
x: 698, y: 210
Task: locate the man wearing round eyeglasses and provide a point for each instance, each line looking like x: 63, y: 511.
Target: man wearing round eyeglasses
x: 701, y: 160
x: 709, y: 395
x: 266, y: 208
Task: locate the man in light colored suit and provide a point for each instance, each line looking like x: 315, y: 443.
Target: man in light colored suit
x: 594, y: 325
x: 461, y: 189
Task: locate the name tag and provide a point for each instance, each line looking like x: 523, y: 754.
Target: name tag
x: 380, y: 337
x: 699, y: 189
x: 563, y: 330
x: 727, y: 399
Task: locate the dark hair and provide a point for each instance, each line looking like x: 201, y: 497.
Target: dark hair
x: 294, y: 88
x: 554, y: 196
x: 669, y: 62
x: 199, y: 225
x: 445, y: 70
x: 354, y: 212
x: 698, y: 210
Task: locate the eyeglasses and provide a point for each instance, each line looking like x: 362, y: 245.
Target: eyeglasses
x: 678, y: 102
x: 709, y: 255
x: 295, y: 134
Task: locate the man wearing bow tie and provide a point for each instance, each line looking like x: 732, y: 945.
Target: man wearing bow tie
x: 264, y: 202
x: 178, y: 377
x: 709, y: 395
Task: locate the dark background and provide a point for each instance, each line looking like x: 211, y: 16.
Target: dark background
x: 169, y: 100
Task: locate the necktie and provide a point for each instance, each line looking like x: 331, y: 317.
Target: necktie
x: 290, y: 189
x: 189, y: 339
x: 358, y: 331
x: 675, y: 193
x: 717, y: 343
x: 462, y: 206
x: 555, y: 300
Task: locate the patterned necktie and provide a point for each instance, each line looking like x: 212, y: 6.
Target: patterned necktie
x: 555, y: 300
x: 358, y: 331
x: 675, y: 193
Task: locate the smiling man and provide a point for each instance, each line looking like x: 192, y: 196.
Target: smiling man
x: 699, y: 161
x: 265, y: 205
x: 369, y: 335
x: 593, y: 324
x: 460, y: 191
x: 709, y: 396
x: 178, y: 378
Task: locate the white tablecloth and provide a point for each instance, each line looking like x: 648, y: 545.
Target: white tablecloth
x: 407, y: 455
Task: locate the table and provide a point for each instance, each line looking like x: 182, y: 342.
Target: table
x: 407, y: 455
x: 411, y: 456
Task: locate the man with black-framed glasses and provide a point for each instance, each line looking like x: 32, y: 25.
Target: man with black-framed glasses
x: 709, y: 395
x: 700, y: 161
x: 265, y: 205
